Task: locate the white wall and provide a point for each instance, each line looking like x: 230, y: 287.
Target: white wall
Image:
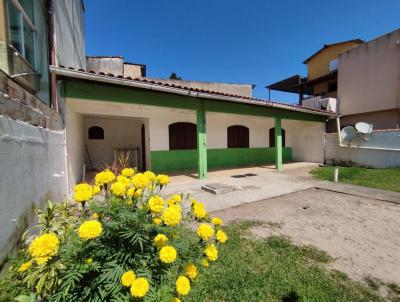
x: 366, y: 153
x: 218, y: 123
x: 306, y: 140
x: 33, y: 170
x: 119, y: 133
x: 75, y: 144
x: 69, y: 31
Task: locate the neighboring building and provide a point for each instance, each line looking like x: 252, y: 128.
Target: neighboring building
x: 116, y: 66
x: 359, y: 80
x: 369, y: 83
x: 322, y: 76
x: 33, y: 35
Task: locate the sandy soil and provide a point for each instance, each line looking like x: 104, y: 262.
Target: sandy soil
x: 363, y: 235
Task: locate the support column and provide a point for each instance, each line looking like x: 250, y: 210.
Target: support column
x: 201, y: 142
x: 278, y: 144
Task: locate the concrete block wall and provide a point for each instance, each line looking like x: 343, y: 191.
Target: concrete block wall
x: 33, y: 165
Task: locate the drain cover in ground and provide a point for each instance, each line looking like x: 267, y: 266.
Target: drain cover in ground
x: 218, y: 188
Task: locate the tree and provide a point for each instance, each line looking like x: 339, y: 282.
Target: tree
x: 174, y: 76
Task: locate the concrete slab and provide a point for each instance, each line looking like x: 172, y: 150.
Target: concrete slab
x: 264, y: 183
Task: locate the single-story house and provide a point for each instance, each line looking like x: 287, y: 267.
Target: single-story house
x: 175, y: 128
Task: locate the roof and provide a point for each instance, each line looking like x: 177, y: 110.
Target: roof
x: 145, y: 83
x: 359, y: 41
x: 290, y: 84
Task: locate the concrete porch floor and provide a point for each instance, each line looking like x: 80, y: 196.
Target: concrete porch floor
x: 265, y: 182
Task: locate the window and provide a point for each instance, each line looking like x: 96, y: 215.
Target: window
x: 332, y: 86
x: 238, y: 136
x: 22, y: 29
x: 272, y: 137
x: 182, y: 136
x: 96, y: 132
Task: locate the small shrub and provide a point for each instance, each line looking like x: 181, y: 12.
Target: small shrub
x: 119, y: 241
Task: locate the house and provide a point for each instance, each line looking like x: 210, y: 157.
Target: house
x: 322, y: 74
x: 33, y: 35
x: 62, y: 113
x: 357, y: 79
x: 369, y: 83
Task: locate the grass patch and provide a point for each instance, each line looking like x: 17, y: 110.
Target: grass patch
x: 274, y: 269
x: 386, y: 179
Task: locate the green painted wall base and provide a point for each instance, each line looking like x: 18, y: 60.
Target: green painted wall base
x: 186, y: 160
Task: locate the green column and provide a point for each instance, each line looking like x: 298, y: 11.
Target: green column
x: 278, y: 144
x: 201, y: 142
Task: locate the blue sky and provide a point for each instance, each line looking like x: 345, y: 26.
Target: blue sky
x: 235, y: 41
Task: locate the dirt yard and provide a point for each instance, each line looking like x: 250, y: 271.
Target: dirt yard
x: 363, y: 235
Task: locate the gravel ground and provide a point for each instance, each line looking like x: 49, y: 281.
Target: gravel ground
x: 362, y: 234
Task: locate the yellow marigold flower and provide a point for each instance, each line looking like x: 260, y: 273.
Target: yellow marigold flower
x: 83, y: 192
x: 128, y: 278
x: 118, y: 188
x: 89, y: 260
x: 130, y: 192
x: 167, y: 254
x: 128, y: 172
x: 170, y: 202
x: 205, y: 231
x: 176, y: 300
x: 216, y: 221
x: 139, y: 287
x: 95, y: 189
x: 193, y: 202
x: 160, y: 240
x: 198, y: 210
x: 221, y: 236
x: 42, y: 260
x: 157, y: 220
x: 182, y: 285
x: 177, y: 197
x: 104, y: 177
x: 191, y: 271
x: 124, y: 180
x: 172, y: 216
x: 204, y: 262
x: 25, y: 266
x: 140, y: 181
x: 95, y: 215
x: 156, y: 204
x: 90, y: 229
x: 45, y: 245
x: 129, y: 202
x: 162, y: 179
x: 138, y: 193
x: 150, y: 176
x: 134, y: 192
x: 211, y: 252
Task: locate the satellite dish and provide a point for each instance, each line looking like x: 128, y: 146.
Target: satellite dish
x: 363, y: 128
x: 348, y: 133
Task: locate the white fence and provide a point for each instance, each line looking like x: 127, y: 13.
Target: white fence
x: 380, y: 149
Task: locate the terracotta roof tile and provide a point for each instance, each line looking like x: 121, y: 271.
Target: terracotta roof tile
x: 197, y: 90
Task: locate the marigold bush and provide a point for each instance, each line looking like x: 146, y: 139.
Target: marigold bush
x: 120, y: 239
